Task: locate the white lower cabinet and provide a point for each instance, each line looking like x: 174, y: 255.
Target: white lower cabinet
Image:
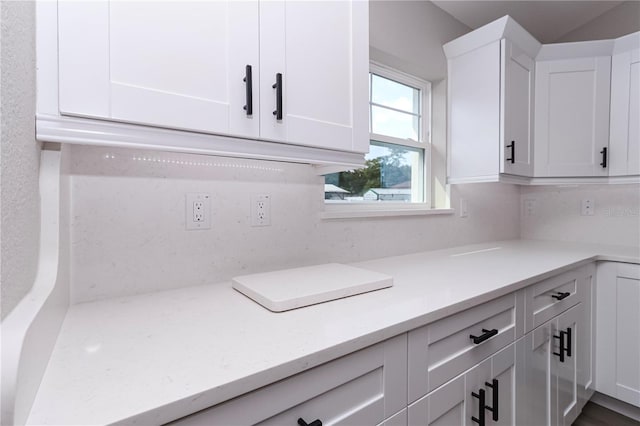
x: 363, y: 388
x: 549, y: 365
x: 618, y: 331
x: 485, y: 394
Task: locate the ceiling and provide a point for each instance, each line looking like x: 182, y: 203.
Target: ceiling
x: 546, y: 20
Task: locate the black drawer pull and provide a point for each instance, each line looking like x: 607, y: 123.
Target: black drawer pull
x: 494, y: 388
x: 481, y: 406
x: 248, y: 90
x: 278, y: 87
x: 604, y: 157
x: 563, y: 349
x: 512, y: 145
x: 487, y: 334
x: 561, y: 295
x: 316, y: 422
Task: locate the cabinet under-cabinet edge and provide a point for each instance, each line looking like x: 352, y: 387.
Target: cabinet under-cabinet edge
x: 221, y: 78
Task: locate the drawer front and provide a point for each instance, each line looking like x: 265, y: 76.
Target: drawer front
x: 442, y: 350
x: 551, y: 297
x: 365, y: 387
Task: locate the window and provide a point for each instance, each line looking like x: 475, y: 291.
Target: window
x: 396, y: 166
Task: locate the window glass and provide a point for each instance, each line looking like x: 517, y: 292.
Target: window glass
x: 394, y: 95
x: 392, y: 173
x: 396, y: 124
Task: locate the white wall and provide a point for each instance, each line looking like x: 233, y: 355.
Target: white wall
x: 557, y: 214
x: 621, y: 20
x: 19, y: 154
x: 128, y: 229
x: 409, y: 35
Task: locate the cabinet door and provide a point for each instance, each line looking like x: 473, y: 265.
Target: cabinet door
x: 625, y: 110
x: 504, y: 375
x: 586, y: 342
x: 444, y: 406
x: 618, y: 331
x: 516, y: 110
x: 572, y: 116
x: 321, y: 50
x: 171, y: 64
x: 567, y: 331
x: 538, y: 407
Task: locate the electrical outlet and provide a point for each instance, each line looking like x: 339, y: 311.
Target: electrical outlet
x: 464, y: 207
x: 260, y: 210
x: 198, y: 211
x: 588, y: 207
x: 529, y: 207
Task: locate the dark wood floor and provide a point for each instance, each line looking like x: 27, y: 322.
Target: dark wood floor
x: 596, y: 415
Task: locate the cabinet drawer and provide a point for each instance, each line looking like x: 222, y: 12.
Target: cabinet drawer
x: 444, y: 349
x: 552, y: 296
x: 365, y: 387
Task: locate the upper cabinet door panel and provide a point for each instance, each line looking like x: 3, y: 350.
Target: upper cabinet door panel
x: 572, y: 116
x: 320, y: 48
x: 171, y: 64
x: 178, y: 65
x: 517, y: 104
x: 625, y: 110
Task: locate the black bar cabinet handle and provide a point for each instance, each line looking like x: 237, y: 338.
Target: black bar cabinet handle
x: 248, y: 79
x: 494, y: 388
x: 561, y: 295
x: 568, y: 347
x: 512, y: 145
x: 604, y: 157
x: 486, y: 334
x: 278, y: 87
x: 562, y: 348
x: 316, y: 422
x: 481, y: 406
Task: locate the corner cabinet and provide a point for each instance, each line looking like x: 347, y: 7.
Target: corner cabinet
x: 572, y: 113
x: 491, y: 88
x: 276, y: 71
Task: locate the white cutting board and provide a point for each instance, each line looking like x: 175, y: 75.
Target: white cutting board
x: 294, y: 288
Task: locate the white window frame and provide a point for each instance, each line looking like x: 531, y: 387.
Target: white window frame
x: 345, y: 209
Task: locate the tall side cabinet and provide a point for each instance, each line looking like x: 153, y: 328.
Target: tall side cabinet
x: 490, y: 85
x: 624, y: 136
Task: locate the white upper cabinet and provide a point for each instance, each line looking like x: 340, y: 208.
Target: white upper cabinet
x: 161, y: 63
x: 320, y: 50
x: 517, y: 110
x: 490, y: 85
x: 572, y: 110
x: 211, y: 67
x: 624, y: 136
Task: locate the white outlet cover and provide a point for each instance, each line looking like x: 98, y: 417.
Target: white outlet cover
x: 190, y: 214
x: 261, y: 210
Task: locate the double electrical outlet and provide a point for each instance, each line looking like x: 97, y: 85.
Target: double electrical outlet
x: 198, y: 212
x: 260, y: 210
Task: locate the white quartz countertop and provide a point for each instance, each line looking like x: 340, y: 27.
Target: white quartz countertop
x: 153, y: 358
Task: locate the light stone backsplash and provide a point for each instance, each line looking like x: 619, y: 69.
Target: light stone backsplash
x: 557, y: 214
x: 128, y: 222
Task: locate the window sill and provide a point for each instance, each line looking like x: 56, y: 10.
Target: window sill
x: 351, y: 211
